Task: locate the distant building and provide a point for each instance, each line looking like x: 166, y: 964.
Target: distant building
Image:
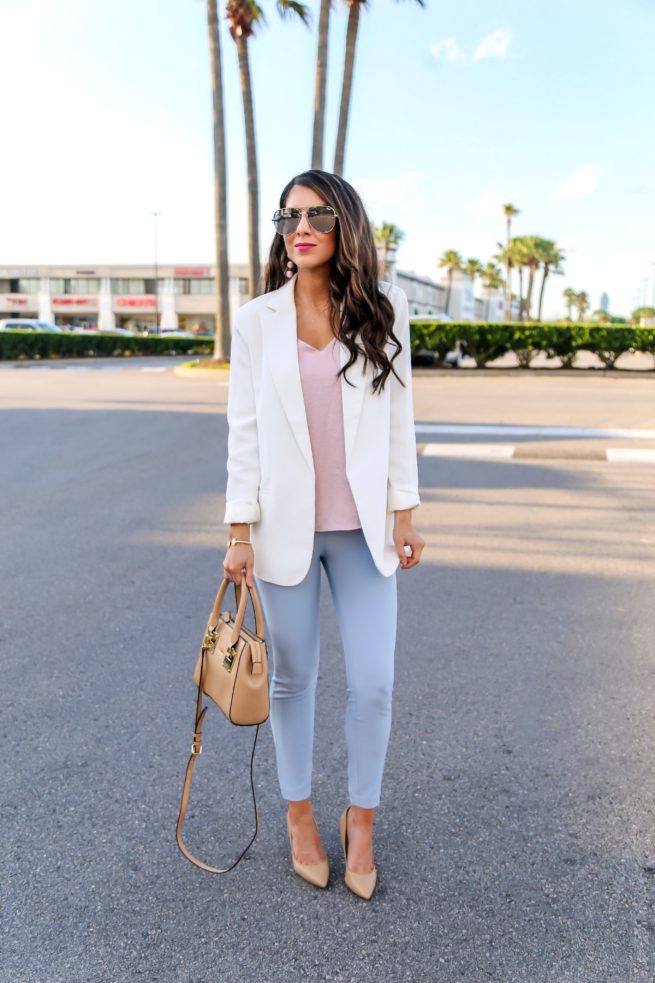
x: 123, y: 296
x: 604, y: 303
x: 120, y: 296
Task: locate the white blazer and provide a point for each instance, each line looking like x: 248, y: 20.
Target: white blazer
x: 271, y: 477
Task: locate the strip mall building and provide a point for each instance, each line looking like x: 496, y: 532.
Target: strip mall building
x: 104, y: 297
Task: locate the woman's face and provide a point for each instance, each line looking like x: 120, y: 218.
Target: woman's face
x: 323, y: 244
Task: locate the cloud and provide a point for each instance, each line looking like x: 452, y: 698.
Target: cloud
x: 584, y: 181
x: 495, y: 45
x: 447, y: 50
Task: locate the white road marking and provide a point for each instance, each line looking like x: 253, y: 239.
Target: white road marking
x: 633, y: 455
x: 469, y: 450
x: 508, y: 430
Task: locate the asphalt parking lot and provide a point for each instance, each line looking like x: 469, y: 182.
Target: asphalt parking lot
x: 515, y: 837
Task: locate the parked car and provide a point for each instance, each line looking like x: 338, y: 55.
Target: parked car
x: 427, y: 357
x: 122, y: 331
x: 176, y: 333
x: 26, y: 324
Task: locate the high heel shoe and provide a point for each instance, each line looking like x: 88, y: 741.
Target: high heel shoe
x: 360, y: 884
x: 317, y: 874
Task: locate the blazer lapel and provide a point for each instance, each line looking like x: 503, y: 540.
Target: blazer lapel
x: 280, y: 339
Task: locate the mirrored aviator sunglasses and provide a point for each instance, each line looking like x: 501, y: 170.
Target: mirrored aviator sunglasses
x: 322, y: 218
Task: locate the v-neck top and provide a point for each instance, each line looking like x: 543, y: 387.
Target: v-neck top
x: 321, y: 386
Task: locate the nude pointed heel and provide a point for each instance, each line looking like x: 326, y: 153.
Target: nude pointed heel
x: 360, y: 884
x: 317, y: 874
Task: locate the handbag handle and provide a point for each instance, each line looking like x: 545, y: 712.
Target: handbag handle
x: 196, y: 746
x: 241, y: 601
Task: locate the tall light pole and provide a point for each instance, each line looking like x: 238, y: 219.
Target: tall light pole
x: 156, y: 215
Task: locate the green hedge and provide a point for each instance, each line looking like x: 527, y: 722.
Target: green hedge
x: 486, y: 342
x: 49, y: 344
x: 483, y: 341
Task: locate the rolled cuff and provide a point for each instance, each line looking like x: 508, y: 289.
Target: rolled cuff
x: 244, y: 511
x: 402, y: 499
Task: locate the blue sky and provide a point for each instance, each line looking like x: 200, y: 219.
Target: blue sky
x: 456, y: 109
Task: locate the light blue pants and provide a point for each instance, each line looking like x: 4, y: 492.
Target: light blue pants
x: 366, y: 607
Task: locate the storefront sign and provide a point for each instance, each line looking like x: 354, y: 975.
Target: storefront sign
x: 192, y: 271
x: 81, y: 301
x: 134, y: 301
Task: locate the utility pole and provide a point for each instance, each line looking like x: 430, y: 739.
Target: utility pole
x: 156, y: 215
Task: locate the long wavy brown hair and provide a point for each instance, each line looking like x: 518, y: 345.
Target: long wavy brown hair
x: 362, y: 312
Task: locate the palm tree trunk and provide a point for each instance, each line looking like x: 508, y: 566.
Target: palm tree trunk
x: 383, y: 262
x: 222, y: 290
x: 254, y: 285
x: 321, y: 75
x: 528, y: 299
x: 348, y: 68
x: 541, y: 292
x: 508, y: 280
x: 520, y: 293
x: 450, y: 282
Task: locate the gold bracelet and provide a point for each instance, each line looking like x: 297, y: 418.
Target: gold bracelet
x: 232, y: 540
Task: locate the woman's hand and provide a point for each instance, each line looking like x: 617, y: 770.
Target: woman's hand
x: 404, y: 534
x: 240, y: 556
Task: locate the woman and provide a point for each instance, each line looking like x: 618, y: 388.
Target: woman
x: 322, y: 469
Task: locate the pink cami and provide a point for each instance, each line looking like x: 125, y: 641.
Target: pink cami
x: 321, y: 387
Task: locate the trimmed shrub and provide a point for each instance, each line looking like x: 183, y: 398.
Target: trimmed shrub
x: 50, y: 344
x: 611, y: 342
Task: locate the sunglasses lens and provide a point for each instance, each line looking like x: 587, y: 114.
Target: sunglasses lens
x: 323, y: 220
x: 285, y: 224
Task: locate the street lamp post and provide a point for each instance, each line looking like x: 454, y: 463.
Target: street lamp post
x: 156, y: 215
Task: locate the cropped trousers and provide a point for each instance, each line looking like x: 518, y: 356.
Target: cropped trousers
x: 365, y: 602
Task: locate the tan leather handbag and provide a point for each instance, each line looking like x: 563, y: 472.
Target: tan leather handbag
x: 232, y: 669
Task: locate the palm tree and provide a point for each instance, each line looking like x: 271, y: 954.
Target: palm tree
x: 387, y: 237
x: 536, y: 249
x: 582, y: 303
x: 243, y: 17
x: 321, y: 77
x: 491, y: 280
x: 472, y: 268
x: 569, y: 296
x: 347, y: 81
x: 510, y: 211
x: 519, y: 262
x: 222, y: 291
x: 450, y: 261
x: 505, y: 256
x: 552, y: 259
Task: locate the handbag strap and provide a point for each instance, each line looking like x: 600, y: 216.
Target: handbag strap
x: 196, y: 748
x: 242, y: 592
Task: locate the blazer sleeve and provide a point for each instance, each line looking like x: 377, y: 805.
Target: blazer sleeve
x: 402, y: 486
x: 243, y: 470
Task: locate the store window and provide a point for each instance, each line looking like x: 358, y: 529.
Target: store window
x: 28, y: 286
x: 125, y: 286
x: 61, y: 285
x: 198, y: 285
x: 83, y: 286
x: 201, y: 286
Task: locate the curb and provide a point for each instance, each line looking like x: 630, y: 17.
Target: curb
x: 542, y: 452
x: 220, y: 375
